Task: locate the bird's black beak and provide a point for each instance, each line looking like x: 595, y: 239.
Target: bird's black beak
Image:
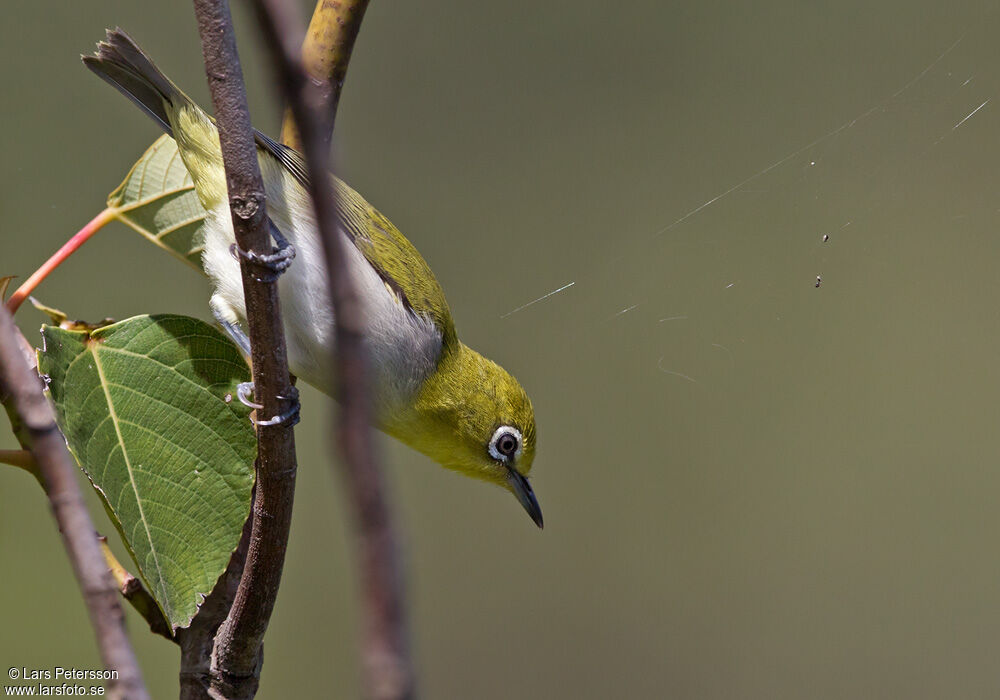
x: 522, y: 489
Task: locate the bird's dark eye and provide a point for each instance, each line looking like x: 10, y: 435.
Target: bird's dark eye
x: 506, y: 443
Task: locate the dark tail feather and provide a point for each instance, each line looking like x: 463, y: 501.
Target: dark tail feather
x: 121, y: 62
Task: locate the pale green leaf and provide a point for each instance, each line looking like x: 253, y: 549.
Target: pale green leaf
x: 158, y: 200
x: 147, y: 408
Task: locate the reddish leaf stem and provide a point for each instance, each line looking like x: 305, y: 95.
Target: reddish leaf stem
x: 70, y: 247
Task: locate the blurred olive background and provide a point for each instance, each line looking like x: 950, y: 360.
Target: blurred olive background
x: 753, y: 487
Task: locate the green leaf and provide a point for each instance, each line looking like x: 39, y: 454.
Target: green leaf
x: 158, y: 200
x: 147, y: 408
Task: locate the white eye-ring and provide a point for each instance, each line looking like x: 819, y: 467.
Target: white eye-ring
x: 505, y: 445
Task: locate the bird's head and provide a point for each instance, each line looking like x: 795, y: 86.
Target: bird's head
x: 472, y: 416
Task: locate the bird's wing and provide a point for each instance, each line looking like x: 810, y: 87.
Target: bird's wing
x: 392, y: 256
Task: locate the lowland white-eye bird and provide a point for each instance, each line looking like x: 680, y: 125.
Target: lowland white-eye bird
x: 430, y: 390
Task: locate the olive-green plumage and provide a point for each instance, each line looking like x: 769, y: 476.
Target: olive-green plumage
x: 395, y: 259
x: 431, y: 391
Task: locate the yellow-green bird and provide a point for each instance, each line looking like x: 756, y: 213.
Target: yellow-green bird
x: 430, y: 390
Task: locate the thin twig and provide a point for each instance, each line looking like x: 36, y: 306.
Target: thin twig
x: 326, y: 53
x: 135, y: 593
x: 236, y: 656
x: 21, y: 394
x: 388, y: 671
x: 22, y: 459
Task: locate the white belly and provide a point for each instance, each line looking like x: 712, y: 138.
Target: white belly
x: 404, y: 348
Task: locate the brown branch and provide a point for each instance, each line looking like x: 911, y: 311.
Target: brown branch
x: 388, y: 670
x: 236, y: 657
x: 35, y: 425
x: 326, y: 53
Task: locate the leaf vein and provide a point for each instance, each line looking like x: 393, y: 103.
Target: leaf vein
x: 128, y: 465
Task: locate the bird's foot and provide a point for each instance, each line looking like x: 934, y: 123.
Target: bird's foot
x: 268, y: 267
x: 288, y: 417
x: 243, y: 392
